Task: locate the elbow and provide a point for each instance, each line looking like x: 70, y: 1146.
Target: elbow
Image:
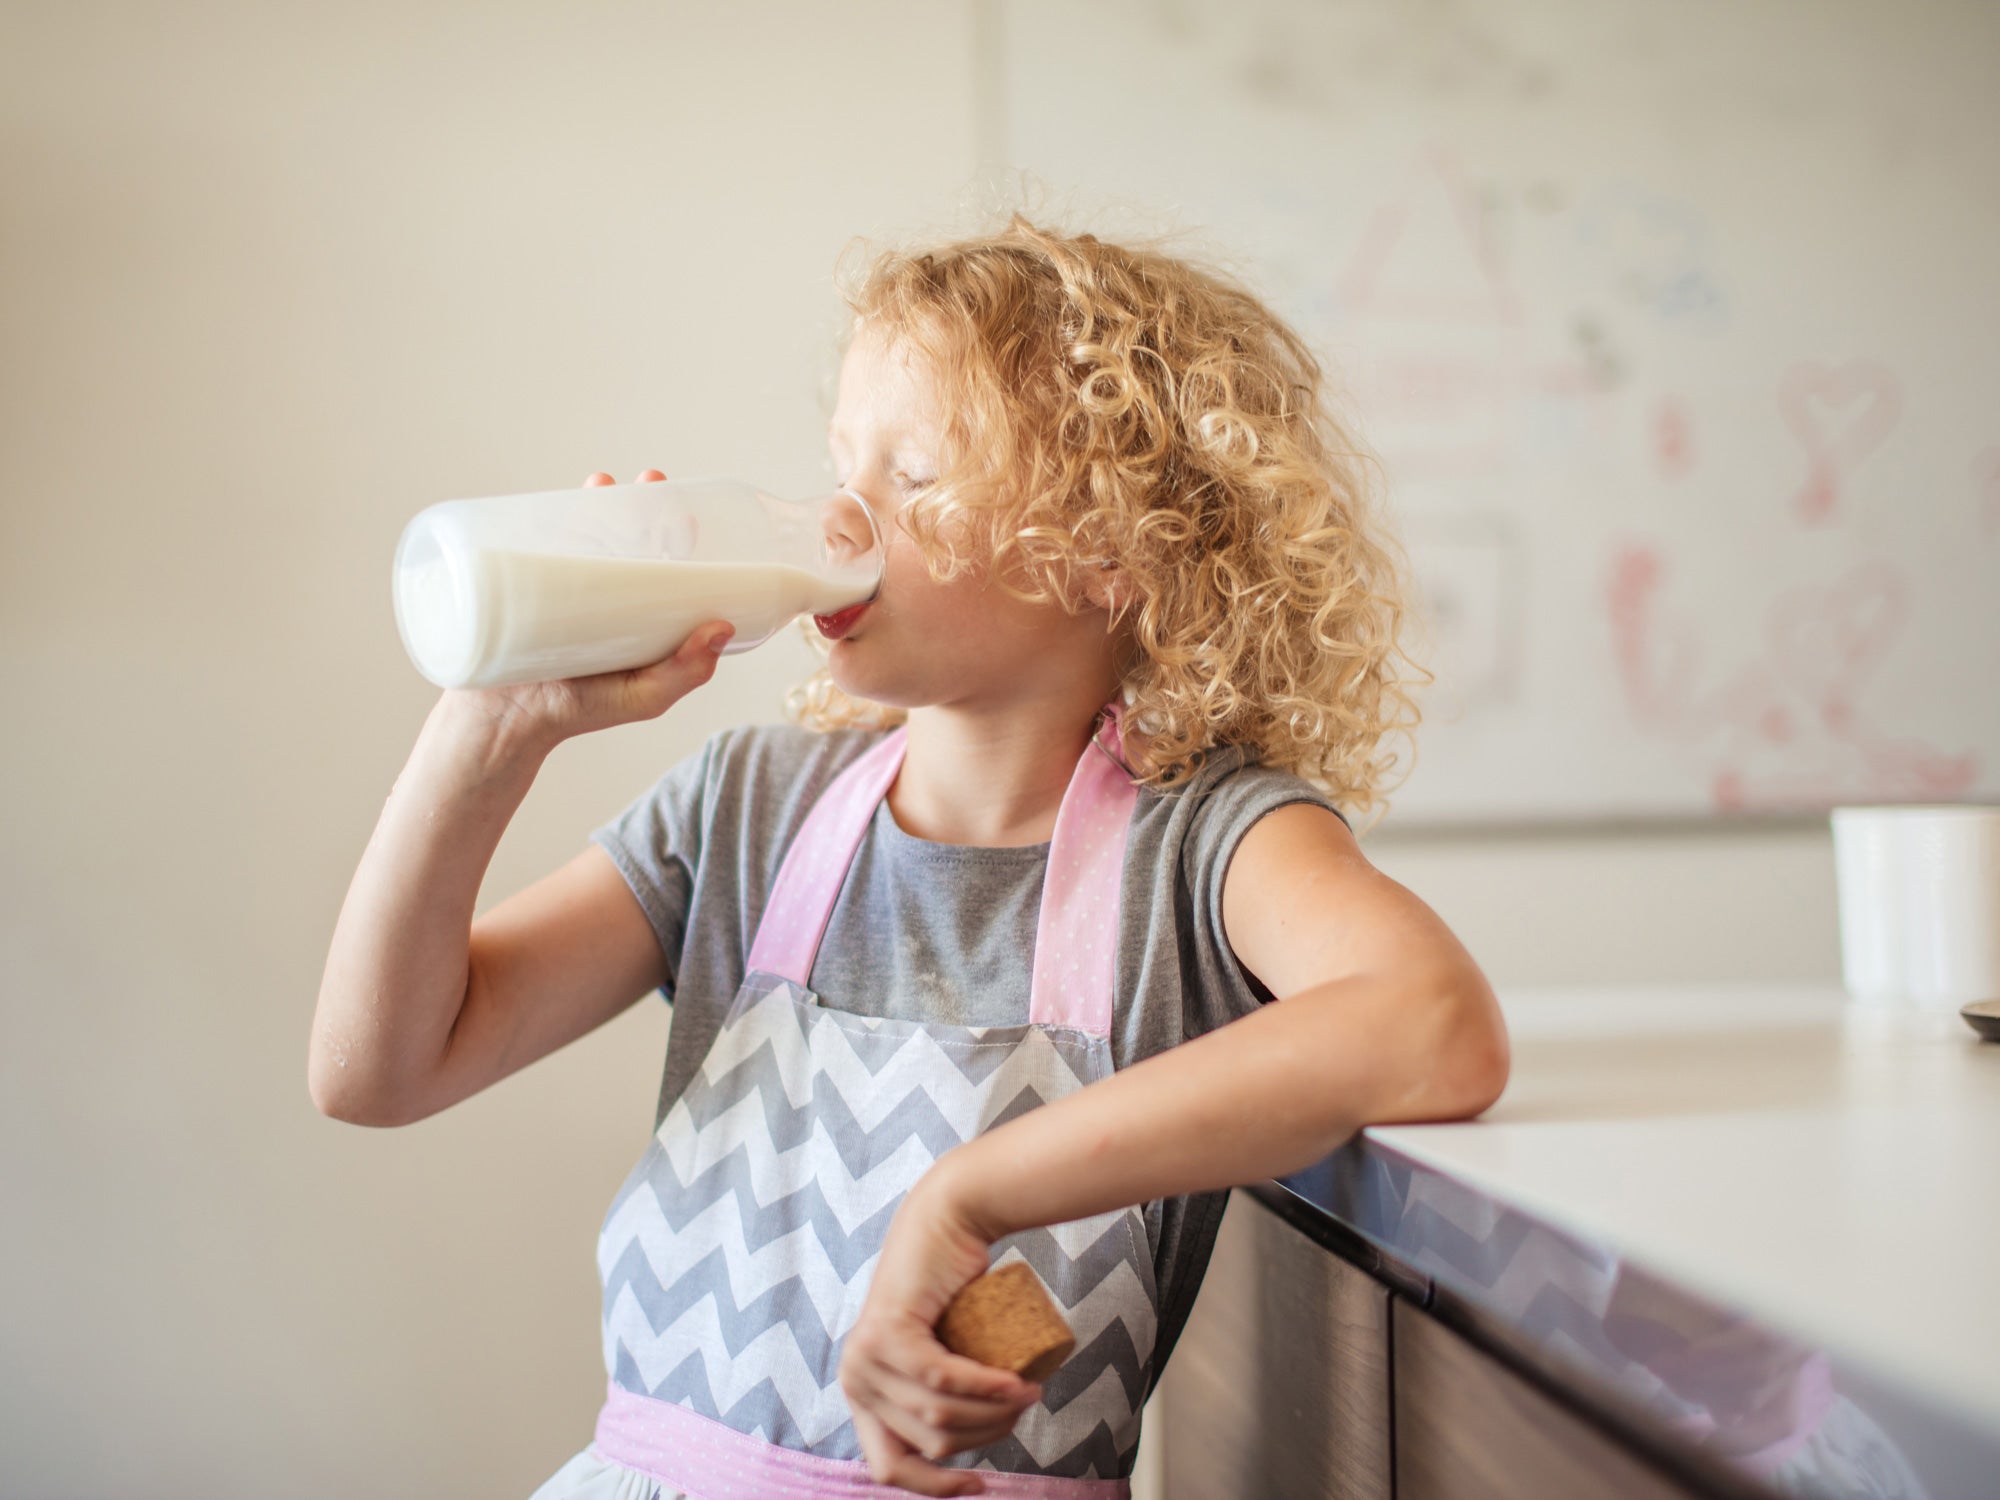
x: 1485, y: 1075
x: 1458, y: 1057
x: 341, y: 1093
x: 331, y: 1094
x: 1477, y: 1056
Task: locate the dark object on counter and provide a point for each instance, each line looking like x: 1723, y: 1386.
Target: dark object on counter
x: 1983, y: 1016
x: 1005, y: 1318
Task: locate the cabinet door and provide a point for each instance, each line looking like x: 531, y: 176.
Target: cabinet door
x: 1279, y: 1387
x: 1468, y: 1428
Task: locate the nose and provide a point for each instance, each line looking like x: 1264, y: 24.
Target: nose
x: 851, y: 536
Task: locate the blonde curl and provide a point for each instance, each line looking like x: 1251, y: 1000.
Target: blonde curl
x: 1113, y: 404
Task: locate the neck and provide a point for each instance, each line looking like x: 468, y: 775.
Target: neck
x: 993, y: 775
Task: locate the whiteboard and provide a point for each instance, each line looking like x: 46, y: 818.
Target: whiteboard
x: 1674, y: 326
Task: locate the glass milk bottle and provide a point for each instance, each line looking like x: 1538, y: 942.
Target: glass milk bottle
x: 565, y: 583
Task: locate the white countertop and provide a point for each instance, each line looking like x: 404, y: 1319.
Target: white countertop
x: 1829, y: 1170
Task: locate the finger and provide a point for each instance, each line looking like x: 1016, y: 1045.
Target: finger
x: 937, y: 1424
x: 922, y: 1358
x: 704, y: 644
x: 927, y: 1444
x: 909, y: 1374
x: 934, y: 1444
x: 890, y: 1461
x: 597, y: 479
x: 694, y: 656
x: 697, y: 652
x: 650, y: 476
x: 953, y: 1416
x: 649, y: 691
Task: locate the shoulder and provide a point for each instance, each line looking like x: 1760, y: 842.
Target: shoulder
x: 1226, y: 796
x: 785, y: 752
x: 772, y: 773
x: 1233, y: 829
x: 746, y: 766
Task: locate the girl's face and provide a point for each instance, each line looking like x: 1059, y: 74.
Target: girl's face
x: 921, y: 642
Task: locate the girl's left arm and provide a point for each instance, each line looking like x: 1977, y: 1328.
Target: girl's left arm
x: 1382, y: 1016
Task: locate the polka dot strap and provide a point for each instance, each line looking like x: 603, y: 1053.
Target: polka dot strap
x: 697, y: 1455
x: 816, y: 865
x: 1076, y: 937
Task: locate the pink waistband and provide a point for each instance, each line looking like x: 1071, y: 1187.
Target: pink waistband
x: 709, y: 1461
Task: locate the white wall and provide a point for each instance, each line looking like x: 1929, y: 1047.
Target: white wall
x: 271, y: 279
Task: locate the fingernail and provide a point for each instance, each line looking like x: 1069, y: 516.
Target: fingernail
x: 720, y: 639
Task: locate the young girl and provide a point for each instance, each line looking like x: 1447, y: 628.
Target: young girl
x: 1036, y: 932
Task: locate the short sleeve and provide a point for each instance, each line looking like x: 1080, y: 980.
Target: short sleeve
x: 1234, y: 806
x: 656, y: 844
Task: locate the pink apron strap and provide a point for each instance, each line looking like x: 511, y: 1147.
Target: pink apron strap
x: 1076, y: 936
x: 814, y: 867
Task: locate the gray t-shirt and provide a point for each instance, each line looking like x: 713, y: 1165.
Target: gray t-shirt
x: 941, y: 932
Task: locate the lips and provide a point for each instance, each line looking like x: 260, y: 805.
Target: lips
x: 834, y: 626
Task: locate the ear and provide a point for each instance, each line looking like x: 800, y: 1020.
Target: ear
x: 1106, y: 585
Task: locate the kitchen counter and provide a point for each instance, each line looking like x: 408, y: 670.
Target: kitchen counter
x: 1750, y: 1230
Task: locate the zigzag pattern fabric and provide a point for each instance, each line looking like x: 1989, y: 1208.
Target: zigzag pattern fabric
x: 736, y: 1256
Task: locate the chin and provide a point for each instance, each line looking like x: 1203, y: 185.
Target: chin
x: 870, y: 687
x: 938, y: 682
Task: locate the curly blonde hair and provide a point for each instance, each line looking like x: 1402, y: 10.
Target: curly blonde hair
x: 1112, y: 406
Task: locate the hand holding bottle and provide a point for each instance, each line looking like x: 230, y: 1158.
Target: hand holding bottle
x: 561, y: 585
x: 543, y: 714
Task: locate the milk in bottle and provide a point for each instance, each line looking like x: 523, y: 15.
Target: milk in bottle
x: 565, y: 583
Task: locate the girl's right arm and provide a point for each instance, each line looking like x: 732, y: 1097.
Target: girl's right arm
x: 419, y: 1007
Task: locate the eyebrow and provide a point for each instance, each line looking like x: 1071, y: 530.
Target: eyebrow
x: 904, y: 445
x: 834, y: 429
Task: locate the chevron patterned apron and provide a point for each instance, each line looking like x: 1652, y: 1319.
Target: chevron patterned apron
x: 736, y: 1256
